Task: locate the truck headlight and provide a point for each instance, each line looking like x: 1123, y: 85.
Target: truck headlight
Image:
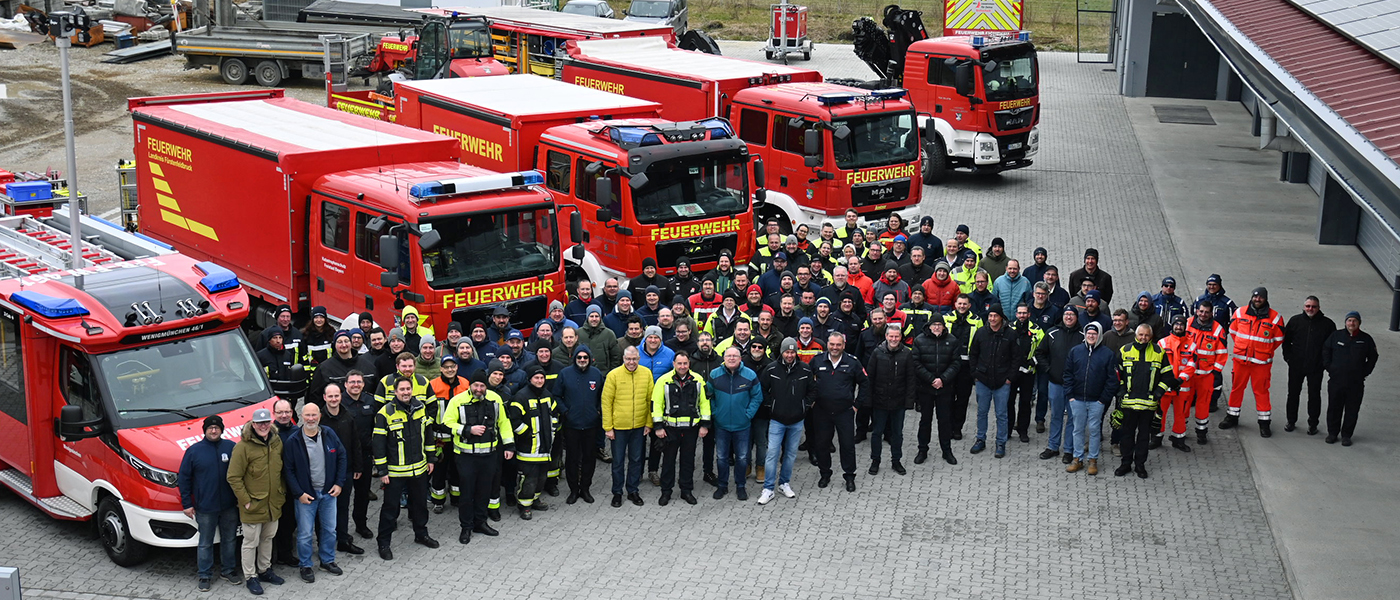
x: 152, y: 474
x: 986, y: 147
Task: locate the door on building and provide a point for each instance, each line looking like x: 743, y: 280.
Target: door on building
x: 1181, y: 62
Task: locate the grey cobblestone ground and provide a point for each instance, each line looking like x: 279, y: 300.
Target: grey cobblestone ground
x: 1017, y: 527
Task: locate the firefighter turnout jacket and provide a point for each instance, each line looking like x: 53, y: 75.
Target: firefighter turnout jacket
x: 467, y: 410
x: 680, y: 401
x: 1146, y: 376
x: 402, y: 440
x: 534, y: 418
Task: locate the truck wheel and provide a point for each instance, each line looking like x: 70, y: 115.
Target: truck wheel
x: 116, y: 535
x: 268, y: 73
x: 807, y: 55
x: 935, y: 161
x: 768, y: 55
x: 234, y: 71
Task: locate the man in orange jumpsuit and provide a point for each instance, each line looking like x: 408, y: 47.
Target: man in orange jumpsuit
x: 1181, y: 355
x: 1256, y: 331
x: 1209, y: 343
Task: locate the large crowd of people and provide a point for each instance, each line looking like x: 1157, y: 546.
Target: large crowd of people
x: 830, y: 338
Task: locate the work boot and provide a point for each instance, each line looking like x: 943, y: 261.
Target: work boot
x: 1201, y: 436
x: 494, y: 514
x: 1156, y: 442
x: 1040, y: 426
x: 465, y: 537
x: 1025, y: 438
x: 850, y: 483
x: 1048, y: 454
x: 1230, y: 422
x: 525, y: 513
x: 617, y: 501
x: 510, y: 500
x: 874, y: 468
x: 949, y: 458
x: 978, y: 446
x: 1074, y: 466
x: 921, y: 457
x: 552, y: 488
x: 758, y: 474
x: 438, y: 508
x: 1290, y: 427
x: 1141, y: 471
x: 1122, y: 470
x: 540, y: 506
x: 1265, y: 428
x: 665, y: 498
x: 1214, y: 405
x: 748, y: 471
x: 898, y: 468
x: 1093, y: 466
x: 1346, y: 441
x: 654, y: 477
x: 824, y: 481
x: 1180, y: 444
x: 1067, y: 458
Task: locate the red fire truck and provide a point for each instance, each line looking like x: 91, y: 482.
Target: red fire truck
x: 106, y: 372
x: 313, y: 206
x: 687, y: 186
x: 829, y: 147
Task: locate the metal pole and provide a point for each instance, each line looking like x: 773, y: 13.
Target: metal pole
x: 76, y: 262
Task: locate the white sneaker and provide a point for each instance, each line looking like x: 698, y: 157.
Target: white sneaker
x: 766, y: 497
x: 787, y: 490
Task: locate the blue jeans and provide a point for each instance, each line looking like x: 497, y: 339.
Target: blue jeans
x: 986, y: 397
x: 736, y: 443
x: 1061, y: 424
x: 312, y: 519
x: 1088, y: 417
x: 782, y: 440
x: 887, y: 424
x: 225, y: 522
x: 758, y: 443
x: 627, y: 446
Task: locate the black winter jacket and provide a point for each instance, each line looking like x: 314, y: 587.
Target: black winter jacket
x: 995, y: 356
x: 892, y: 378
x: 936, y: 357
x: 1350, y: 358
x: 838, y: 384
x: 1303, y: 340
x: 788, y: 391
x: 1055, y: 348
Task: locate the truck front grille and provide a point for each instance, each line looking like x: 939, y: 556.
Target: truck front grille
x: 880, y: 192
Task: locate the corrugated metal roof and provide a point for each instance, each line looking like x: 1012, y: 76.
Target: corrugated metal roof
x: 1354, y: 82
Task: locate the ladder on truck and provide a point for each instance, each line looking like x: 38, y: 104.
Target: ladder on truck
x: 29, y: 246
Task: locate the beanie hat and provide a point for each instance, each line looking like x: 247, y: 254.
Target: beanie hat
x: 1261, y: 292
x: 274, y: 330
x: 1168, y: 281
x: 648, y: 262
x: 683, y: 261
x: 479, y: 376
x: 651, y: 289
x: 805, y: 321
x: 1214, y: 279
x: 624, y: 294
x: 1093, y: 295
x: 552, y: 305
x: 998, y: 242
x: 788, y: 344
x: 340, y: 334
x: 996, y: 308
x: 926, y: 220
x: 427, y: 340
x: 941, y: 265
x: 1040, y: 251
x: 964, y: 229
x: 1094, y: 252
x: 457, y: 327
x: 478, y: 324
x: 1093, y: 325
x: 1353, y: 315
x: 495, y: 365
x: 652, y: 330
x: 318, y: 310
x: 900, y: 238
x: 214, y: 421
x: 753, y: 287
x: 397, y: 333
x: 365, y: 316
x: 534, y: 370
x: 593, y: 308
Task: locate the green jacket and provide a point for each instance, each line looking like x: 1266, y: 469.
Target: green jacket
x: 255, y: 474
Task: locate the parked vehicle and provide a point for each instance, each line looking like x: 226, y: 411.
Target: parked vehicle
x: 592, y: 8
x: 672, y: 13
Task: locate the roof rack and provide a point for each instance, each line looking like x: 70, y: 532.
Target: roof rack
x: 30, y: 247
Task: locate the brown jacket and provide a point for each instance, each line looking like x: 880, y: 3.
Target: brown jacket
x: 255, y: 474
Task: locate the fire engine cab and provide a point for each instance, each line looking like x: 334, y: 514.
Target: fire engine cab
x: 106, y: 372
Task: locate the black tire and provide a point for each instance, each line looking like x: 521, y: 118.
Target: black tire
x: 935, y: 157
x: 768, y: 55
x: 268, y: 73
x: 807, y: 55
x: 234, y: 71
x: 115, y: 534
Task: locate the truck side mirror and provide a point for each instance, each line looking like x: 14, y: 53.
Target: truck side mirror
x: 604, y: 215
x: 758, y: 174
x: 841, y: 132
x: 389, y: 252
x: 638, y: 181
x: 811, y: 148
x: 429, y: 240
x: 962, y: 79
x: 71, y: 425
x: 389, y: 279
x: 602, y: 192
x: 576, y: 227
x: 578, y: 252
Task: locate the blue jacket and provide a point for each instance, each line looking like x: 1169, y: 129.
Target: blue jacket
x: 203, y: 477
x: 659, y: 363
x: 1091, y: 373
x: 617, y: 322
x: 734, y: 397
x: 1170, y: 307
x: 1012, y: 292
x: 1223, y: 308
x: 580, y: 395
x: 298, y: 466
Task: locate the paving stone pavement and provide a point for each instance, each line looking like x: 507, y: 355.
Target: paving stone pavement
x: 984, y: 529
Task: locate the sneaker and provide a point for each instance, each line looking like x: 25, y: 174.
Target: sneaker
x: 1048, y: 454
x: 269, y: 576
x: 235, y: 578
x: 720, y: 493
x: 308, y: 574
x: 711, y: 478
x: 254, y: 587
x: 204, y: 581
x: 1115, y: 450
x: 786, y: 489
x: 332, y: 568
x: 766, y: 496
x: 978, y: 446
x: 1001, y: 451
x: 741, y: 495
x: 1067, y: 458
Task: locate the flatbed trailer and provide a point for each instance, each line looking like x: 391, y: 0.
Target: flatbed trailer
x: 270, y: 51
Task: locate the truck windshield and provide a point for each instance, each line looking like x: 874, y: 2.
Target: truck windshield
x: 649, y: 9
x: 190, y: 378
x: 469, y: 40
x: 692, y: 187
x: 1013, y: 78
x: 488, y: 247
x: 876, y: 140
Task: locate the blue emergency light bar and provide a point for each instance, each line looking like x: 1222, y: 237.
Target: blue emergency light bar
x: 890, y: 93
x: 982, y: 40
x: 836, y: 98
x: 640, y: 136
x: 216, y: 278
x: 719, y: 128
x: 48, y: 306
x: 480, y: 183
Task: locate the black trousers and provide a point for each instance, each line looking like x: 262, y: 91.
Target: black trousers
x: 707, y: 448
x: 284, y: 544
x: 863, y: 420
x: 962, y: 393
x: 361, y: 488
x: 445, y: 481
x: 654, y: 448
x: 417, y: 507
x: 1296, y: 377
x: 1136, y: 432
x: 1343, y: 404
x: 531, y: 480
x: 505, y: 480
x: 580, y: 458
x: 823, y: 424
x: 1021, y: 401
x: 938, y: 406
x: 679, y: 440
x: 476, y: 473
x: 342, y: 510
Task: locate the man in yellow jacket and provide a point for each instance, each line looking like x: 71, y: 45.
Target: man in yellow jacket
x: 627, y: 421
